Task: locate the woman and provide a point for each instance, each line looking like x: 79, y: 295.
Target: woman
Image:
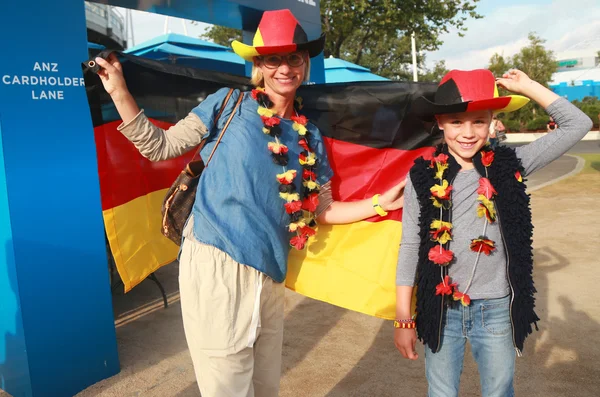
x: 269, y: 177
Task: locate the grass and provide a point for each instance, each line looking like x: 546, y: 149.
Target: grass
x: 592, y: 162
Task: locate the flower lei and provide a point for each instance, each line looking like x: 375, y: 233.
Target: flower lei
x: 301, y: 212
x: 441, y: 232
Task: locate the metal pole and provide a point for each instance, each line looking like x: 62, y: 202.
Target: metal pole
x: 166, y: 25
x: 414, y: 56
x: 185, y: 32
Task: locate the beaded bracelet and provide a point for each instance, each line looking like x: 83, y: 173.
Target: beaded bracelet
x: 404, y: 324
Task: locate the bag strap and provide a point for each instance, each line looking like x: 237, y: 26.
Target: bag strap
x: 225, y: 101
x: 237, y: 104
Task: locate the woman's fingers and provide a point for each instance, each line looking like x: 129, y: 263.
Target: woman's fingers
x: 110, y: 69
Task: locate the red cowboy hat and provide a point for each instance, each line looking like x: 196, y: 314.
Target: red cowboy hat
x: 467, y: 91
x: 278, y: 31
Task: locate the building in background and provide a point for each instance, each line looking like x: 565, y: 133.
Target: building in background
x: 105, y: 26
x: 578, y: 74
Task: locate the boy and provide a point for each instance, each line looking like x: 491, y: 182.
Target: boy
x: 466, y: 241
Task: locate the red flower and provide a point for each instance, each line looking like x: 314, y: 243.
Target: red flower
x: 484, y: 245
x: 309, y: 175
x: 463, y: 298
x: 518, y: 176
x: 304, y: 144
x: 300, y: 119
x: 440, y: 158
x: 307, y: 231
x: 270, y: 121
x: 487, y: 158
x: 440, y: 256
x: 486, y: 188
x: 311, y: 202
x: 298, y: 242
x: 254, y: 93
x: 293, y: 206
x: 445, y: 288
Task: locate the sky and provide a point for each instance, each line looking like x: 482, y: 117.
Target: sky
x: 564, y: 24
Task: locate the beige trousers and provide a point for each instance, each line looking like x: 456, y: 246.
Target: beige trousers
x: 233, y: 322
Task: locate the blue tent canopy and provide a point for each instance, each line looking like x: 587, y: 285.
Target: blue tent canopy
x: 94, y: 46
x: 190, y: 51
x: 340, y: 71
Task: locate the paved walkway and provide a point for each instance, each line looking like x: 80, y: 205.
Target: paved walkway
x: 333, y: 352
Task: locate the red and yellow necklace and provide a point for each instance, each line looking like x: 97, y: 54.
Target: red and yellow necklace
x: 441, y: 231
x: 301, y: 209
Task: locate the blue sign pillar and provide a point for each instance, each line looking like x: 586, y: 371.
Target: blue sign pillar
x: 57, y: 333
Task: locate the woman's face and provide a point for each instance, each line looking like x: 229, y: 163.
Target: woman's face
x: 465, y: 133
x: 283, y: 73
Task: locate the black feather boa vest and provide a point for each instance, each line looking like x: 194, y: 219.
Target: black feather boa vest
x: 514, y: 214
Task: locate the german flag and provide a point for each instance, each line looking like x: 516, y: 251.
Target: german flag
x: 372, y: 141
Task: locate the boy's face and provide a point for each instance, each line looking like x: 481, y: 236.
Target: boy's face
x: 465, y: 133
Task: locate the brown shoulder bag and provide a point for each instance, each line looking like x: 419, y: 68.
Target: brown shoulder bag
x: 179, y: 200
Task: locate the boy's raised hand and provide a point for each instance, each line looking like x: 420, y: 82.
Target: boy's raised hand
x: 518, y: 82
x: 514, y: 80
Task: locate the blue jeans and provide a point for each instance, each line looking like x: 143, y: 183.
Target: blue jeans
x: 486, y: 324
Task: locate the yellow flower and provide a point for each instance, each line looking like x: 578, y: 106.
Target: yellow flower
x: 486, y: 208
x: 312, y: 185
x: 300, y: 128
x: 441, y: 191
x: 439, y: 174
x: 436, y: 203
x: 263, y: 111
x: 437, y: 224
x: 287, y: 176
x: 266, y: 130
x: 444, y: 238
x: 289, y: 197
x: 310, y: 159
x: 295, y: 225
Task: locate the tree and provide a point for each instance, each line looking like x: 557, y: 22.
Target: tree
x: 534, y: 60
x: 376, y: 33
x: 590, y: 105
x: 499, y: 65
x: 222, y: 35
x: 436, y: 74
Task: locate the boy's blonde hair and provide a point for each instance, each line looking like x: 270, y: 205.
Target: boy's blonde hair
x: 258, y: 80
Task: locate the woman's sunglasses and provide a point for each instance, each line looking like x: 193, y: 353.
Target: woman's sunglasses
x: 294, y: 60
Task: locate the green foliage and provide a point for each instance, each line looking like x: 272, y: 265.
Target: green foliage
x: 435, y: 75
x: 590, y: 105
x: 539, y: 123
x: 512, y: 125
x: 376, y: 33
x: 222, y: 35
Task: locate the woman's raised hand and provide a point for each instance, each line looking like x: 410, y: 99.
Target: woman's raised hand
x: 111, y: 74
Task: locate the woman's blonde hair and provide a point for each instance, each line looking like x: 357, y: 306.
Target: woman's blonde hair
x: 258, y: 80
